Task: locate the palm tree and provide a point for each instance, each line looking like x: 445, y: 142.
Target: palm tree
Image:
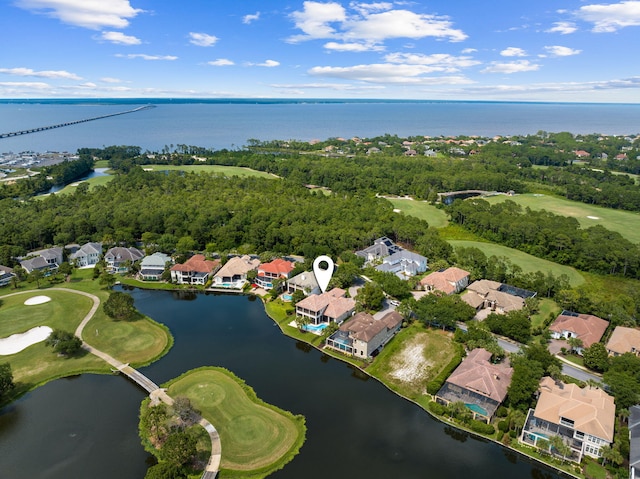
x: 574, y: 343
x: 560, y: 446
x: 517, y: 419
x: 36, y: 275
x: 611, y: 454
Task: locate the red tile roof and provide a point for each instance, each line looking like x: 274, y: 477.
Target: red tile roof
x: 197, y: 264
x: 587, y: 327
x: 278, y: 266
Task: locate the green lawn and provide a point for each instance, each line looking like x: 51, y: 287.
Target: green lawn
x: 626, y: 223
x: 527, y: 262
x: 546, y: 308
x: 216, y: 169
x: 138, y: 342
x: 93, y: 182
x: 257, y: 438
x: 414, y: 357
x: 422, y: 210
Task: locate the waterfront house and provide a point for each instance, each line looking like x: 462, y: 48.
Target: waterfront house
x: 152, y: 266
x: 45, y: 260
x: 583, y: 418
x: 87, y: 255
x: 363, y: 335
x: 275, y: 270
x: 478, y: 383
x: 119, y: 258
x: 6, y: 274
x: 449, y: 281
x: 586, y: 327
x: 234, y: 273
x: 624, y: 340
x: 196, y: 270
x: 328, y: 307
x: 634, y: 442
x: 305, y: 282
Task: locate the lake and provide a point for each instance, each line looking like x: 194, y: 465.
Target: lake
x: 356, y: 427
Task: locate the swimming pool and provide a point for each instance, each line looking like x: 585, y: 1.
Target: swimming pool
x: 477, y: 409
x: 315, y: 328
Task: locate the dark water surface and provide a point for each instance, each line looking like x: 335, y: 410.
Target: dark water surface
x: 356, y: 427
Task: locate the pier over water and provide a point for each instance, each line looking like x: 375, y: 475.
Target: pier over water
x: 69, y: 123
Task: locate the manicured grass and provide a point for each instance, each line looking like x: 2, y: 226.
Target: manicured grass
x: 626, y: 223
x: 429, y: 349
x: 277, y: 310
x: 215, y: 169
x: 257, y: 438
x: 527, y: 262
x: 594, y: 470
x: 546, y: 307
x: 93, y: 182
x: 422, y: 210
x: 37, y: 364
x: 138, y: 342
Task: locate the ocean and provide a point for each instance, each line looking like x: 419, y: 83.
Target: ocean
x: 219, y: 124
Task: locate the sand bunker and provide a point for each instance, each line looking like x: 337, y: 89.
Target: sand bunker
x: 17, y: 342
x: 37, y: 300
x: 593, y: 217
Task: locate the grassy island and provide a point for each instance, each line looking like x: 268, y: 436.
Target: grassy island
x: 257, y: 438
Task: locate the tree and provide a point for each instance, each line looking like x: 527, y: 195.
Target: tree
x: 183, y: 408
x: 596, y: 357
x: 611, y: 454
x: 107, y: 279
x: 302, y: 321
x: 370, y: 297
x: 165, y: 470
x: 575, y: 344
x: 524, y: 382
x: 559, y: 446
x: 63, y: 342
x: 179, y: 448
x: 65, y: 268
x: 120, y: 306
x: 36, y: 275
x: 6, y: 379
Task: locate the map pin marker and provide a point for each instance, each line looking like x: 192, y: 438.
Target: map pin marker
x: 323, y: 276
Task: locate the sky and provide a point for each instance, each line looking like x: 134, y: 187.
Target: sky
x: 502, y: 50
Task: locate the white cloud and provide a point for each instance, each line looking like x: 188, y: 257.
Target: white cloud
x: 328, y: 86
x: 268, y: 64
x: 133, y: 56
x: 110, y: 80
x: 371, y: 23
x: 511, y: 67
x: 388, y: 73
x: 247, y: 19
x: 120, y: 38
x: 466, y: 51
x: 202, y: 39
x: 611, y: 17
x: 52, y: 74
x: 93, y: 14
x: 221, y: 62
x: 25, y: 85
x: 353, y: 47
x: 559, y: 51
x: 438, y: 61
x: 559, y: 87
x: 564, y: 28
x: 513, y: 52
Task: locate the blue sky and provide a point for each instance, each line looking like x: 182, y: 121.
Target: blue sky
x: 545, y: 50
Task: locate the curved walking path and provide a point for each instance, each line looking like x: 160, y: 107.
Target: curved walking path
x: 156, y: 393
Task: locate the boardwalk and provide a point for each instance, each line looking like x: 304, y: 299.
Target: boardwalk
x: 69, y: 123
x: 155, y: 392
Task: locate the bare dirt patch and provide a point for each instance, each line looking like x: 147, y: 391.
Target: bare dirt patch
x: 410, y: 365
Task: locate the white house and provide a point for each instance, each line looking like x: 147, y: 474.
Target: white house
x: 117, y: 258
x: 152, y: 266
x: 87, y: 256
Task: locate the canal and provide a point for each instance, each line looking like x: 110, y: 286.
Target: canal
x: 356, y: 428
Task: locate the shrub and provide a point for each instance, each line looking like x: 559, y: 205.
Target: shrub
x: 436, y: 408
x: 503, y: 426
x: 481, y: 427
x: 502, y: 412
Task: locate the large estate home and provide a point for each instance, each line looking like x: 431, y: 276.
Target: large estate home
x: 582, y: 418
x: 87, y: 255
x: 305, y: 282
x: 478, y: 383
x: 586, y: 327
x: 624, y: 340
x: 363, y: 335
x: 119, y: 258
x: 448, y: 281
x: 268, y: 273
x: 500, y: 298
x: 152, y: 266
x: 6, y: 274
x: 45, y: 260
x: 234, y: 273
x: 328, y: 307
x: 389, y: 257
x: 195, y: 270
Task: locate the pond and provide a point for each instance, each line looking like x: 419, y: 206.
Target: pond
x: 356, y: 427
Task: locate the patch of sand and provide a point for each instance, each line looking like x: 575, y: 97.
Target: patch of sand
x: 37, y: 300
x: 410, y: 365
x: 17, y: 342
x: 593, y: 217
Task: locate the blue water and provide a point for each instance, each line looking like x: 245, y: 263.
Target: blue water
x: 229, y: 124
x: 315, y: 328
x: 476, y: 408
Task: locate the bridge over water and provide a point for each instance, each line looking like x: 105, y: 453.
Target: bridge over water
x: 69, y: 123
